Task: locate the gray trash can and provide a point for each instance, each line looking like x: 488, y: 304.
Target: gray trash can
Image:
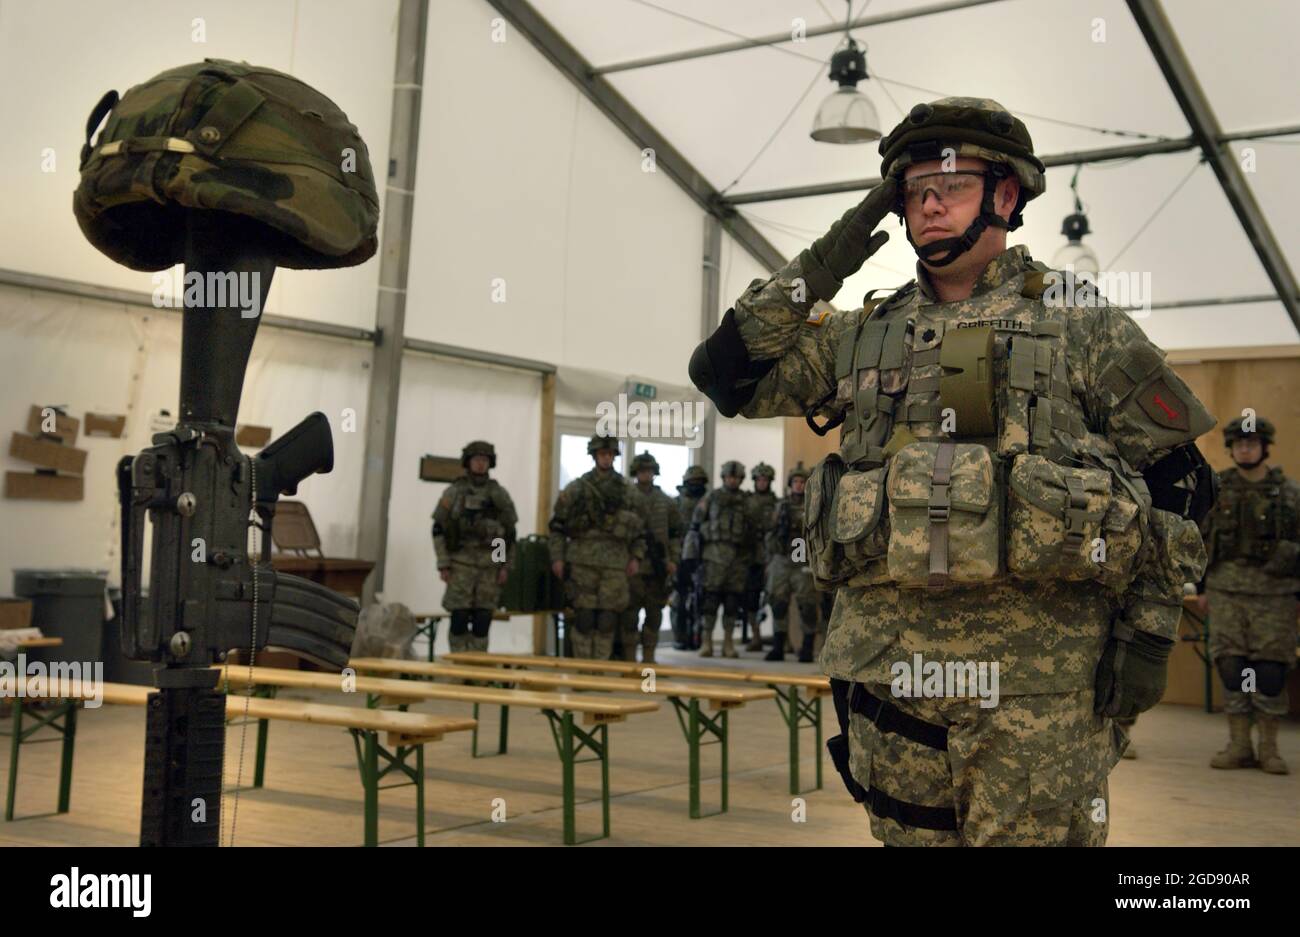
x: 67, y: 604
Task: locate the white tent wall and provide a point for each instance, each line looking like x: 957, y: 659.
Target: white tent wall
x: 109, y: 358
x: 524, y: 186
x: 57, y: 59
x: 444, y: 404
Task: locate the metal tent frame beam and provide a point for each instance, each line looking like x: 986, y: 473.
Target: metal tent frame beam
x: 1169, y: 55
x: 776, y: 39
x: 523, y: 17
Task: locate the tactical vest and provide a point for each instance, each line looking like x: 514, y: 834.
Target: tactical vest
x: 788, y: 527
x: 964, y: 456
x: 727, y: 518
x: 1250, y: 519
x: 601, y: 507
x: 655, y: 505
x: 474, y: 518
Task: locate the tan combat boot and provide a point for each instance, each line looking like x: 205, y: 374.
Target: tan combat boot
x: 1269, y: 759
x: 728, y: 647
x: 755, y: 638
x: 706, y: 642
x: 649, y: 641
x: 1238, y: 754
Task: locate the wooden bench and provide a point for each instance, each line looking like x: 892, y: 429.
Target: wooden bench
x: 406, y: 732
x: 559, y: 708
x: 799, y: 712
x: 686, y: 699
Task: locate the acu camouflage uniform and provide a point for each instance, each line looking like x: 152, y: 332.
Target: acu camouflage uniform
x: 649, y: 587
x: 762, y: 508
x: 1253, y: 541
x: 694, y: 486
x: 596, y: 530
x: 789, y: 578
x: 474, y: 538
x: 1075, y: 388
x: 724, y: 531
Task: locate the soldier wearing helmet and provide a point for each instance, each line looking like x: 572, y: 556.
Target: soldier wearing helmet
x: 685, y: 610
x: 1016, y: 486
x: 789, y: 576
x: 723, y: 542
x: 474, y: 543
x: 649, y: 587
x: 596, y: 544
x: 1253, y: 541
x: 762, y: 502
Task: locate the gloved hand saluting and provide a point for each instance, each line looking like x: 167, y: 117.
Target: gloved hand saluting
x: 1131, y: 674
x: 841, y: 251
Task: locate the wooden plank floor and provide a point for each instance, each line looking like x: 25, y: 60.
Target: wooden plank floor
x: 1169, y: 796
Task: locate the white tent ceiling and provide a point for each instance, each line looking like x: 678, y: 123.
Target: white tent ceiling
x: 1070, y: 70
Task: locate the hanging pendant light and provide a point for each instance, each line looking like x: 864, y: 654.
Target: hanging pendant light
x: 847, y: 116
x: 1075, y: 255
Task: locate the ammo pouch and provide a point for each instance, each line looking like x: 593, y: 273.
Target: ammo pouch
x: 944, y: 514
x: 1067, y: 522
x: 825, y: 555
x: 724, y: 526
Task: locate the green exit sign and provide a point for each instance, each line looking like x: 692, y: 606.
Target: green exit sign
x: 648, y: 391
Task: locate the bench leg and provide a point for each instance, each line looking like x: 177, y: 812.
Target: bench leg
x: 65, y: 762
x: 370, y: 778
x: 15, y: 742
x: 695, y: 726
x: 503, y: 734
x: 570, y: 740
x: 798, y: 714
x: 62, y: 709
x: 259, y: 764
x: 419, y: 795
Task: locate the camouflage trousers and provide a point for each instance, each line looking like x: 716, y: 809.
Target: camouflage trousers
x: 788, y: 581
x: 649, y: 593
x: 591, y: 632
x: 471, y: 586
x: 597, y: 587
x: 1255, y: 631
x: 1031, y: 770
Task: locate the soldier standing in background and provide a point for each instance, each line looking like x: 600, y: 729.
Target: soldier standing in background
x: 789, y: 576
x: 474, y: 543
x: 724, y: 540
x: 762, y: 504
x: 1253, y: 541
x: 685, y: 610
x: 649, y: 587
x: 597, y: 539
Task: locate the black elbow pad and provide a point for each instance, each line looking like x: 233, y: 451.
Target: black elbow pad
x: 1163, y: 478
x: 722, y: 370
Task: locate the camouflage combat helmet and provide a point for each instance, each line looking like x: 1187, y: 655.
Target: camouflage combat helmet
x: 733, y: 468
x: 478, y: 447
x: 764, y: 470
x: 643, y: 460
x: 1233, y: 431
x: 974, y: 127
x: 231, y: 137
x: 797, y: 472
x: 598, y: 442
x: 695, y: 473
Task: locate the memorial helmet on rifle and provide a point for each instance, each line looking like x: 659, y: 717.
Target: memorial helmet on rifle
x: 478, y: 447
x: 643, y: 460
x: 599, y: 442
x: 972, y: 127
x: 219, y: 136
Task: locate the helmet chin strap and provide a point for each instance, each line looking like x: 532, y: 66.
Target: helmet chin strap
x: 954, y: 247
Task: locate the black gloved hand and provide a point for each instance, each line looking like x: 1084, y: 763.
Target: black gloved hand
x: 841, y: 251
x: 1131, y: 675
